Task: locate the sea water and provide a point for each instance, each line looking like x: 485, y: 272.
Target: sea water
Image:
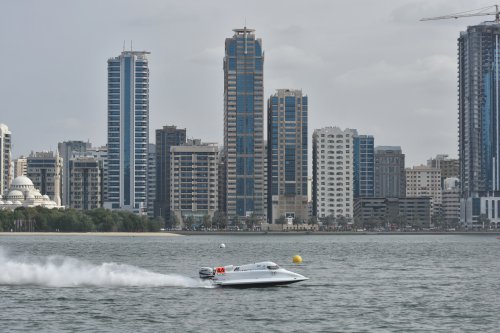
x: 379, y: 283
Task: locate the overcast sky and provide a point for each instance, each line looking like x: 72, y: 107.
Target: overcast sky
x: 368, y: 65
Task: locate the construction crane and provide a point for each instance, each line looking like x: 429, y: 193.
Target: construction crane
x: 475, y: 12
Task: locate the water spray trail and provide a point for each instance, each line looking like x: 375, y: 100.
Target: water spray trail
x: 59, y: 271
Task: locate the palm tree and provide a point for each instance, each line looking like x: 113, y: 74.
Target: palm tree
x: 485, y: 221
x: 281, y: 220
x: 329, y: 221
x: 296, y: 221
x: 207, y: 221
x: 342, y: 221
x: 313, y: 220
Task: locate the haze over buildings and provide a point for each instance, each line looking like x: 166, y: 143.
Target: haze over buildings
x: 408, y: 80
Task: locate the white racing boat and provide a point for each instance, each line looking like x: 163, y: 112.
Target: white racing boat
x: 261, y: 274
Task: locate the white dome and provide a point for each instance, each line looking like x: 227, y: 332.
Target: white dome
x: 30, y: 196
x: 1, y: 202
x: 22, y: 181
x: 15, y: 194
x: 46, y: 197
x: 17, y: 203
x: 8, y: 202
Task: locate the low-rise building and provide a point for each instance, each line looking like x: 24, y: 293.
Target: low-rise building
x: 425, y: 181
x: 392, y: 213
x: 451, y: 201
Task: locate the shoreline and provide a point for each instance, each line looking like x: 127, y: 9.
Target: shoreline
x: 249, y: 233
x: 333, y: 233
x: 105, y: 234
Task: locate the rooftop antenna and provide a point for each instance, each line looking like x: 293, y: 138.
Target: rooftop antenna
x: 123, y: 45
x: 131, y: 49
x: 245, y: 33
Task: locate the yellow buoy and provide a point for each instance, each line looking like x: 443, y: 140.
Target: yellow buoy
x: 297, y: 259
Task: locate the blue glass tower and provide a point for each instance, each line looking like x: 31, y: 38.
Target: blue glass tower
x: 287, y: 155
x: 364, y: 166
x: 128, y: 131
x: 479, y: 122
x: 244, y: 124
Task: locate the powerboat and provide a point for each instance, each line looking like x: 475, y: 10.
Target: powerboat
x: 261, y: 274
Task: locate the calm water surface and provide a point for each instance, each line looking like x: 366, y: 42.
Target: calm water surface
x: 149, y: 284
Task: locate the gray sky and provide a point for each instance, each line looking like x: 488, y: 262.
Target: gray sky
x: 368, y: 65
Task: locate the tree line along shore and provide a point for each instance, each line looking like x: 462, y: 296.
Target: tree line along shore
x: 39, y: 219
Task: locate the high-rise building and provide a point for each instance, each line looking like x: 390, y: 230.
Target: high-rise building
x: 333, y: 172
x: 128, y: 131
x: 151, y: 188
x: 193, y: 180
x: 364, y: 166
x: 101, y: 154
x: 266, y: 150
x: 425, y: 181
x: 244, y: 124
x: 68, y: 150
x: 451, y: 202
x: 20, y: 166
x: 221, y: 180
x: 389, y: 172
x: 84, y: 177
x: 479, y: 110
x: 449, y: 166
x: 5, y: 159
x: 287, y: 155
x: 44, y: 170
x: 166, y: 138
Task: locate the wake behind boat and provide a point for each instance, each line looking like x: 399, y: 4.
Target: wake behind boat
x: 261, y: 274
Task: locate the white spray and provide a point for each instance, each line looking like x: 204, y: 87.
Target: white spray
x: 59, y: 271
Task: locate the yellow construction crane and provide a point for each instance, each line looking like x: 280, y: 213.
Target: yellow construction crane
x: 475, y: 12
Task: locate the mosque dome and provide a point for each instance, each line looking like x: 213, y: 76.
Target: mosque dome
x: 17, y: 203
x: 15, y: 194
x: 21, y: 181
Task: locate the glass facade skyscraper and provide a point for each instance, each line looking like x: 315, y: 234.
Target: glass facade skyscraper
x: 244, y: 124
x: 287, y: 155
x: 364, y: 166
x: 128, y: 131
x: 479, y: 125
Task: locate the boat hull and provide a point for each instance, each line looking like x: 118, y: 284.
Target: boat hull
x: 256, y: 284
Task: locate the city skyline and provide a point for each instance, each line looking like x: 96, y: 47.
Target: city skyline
x: 401, y: 82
